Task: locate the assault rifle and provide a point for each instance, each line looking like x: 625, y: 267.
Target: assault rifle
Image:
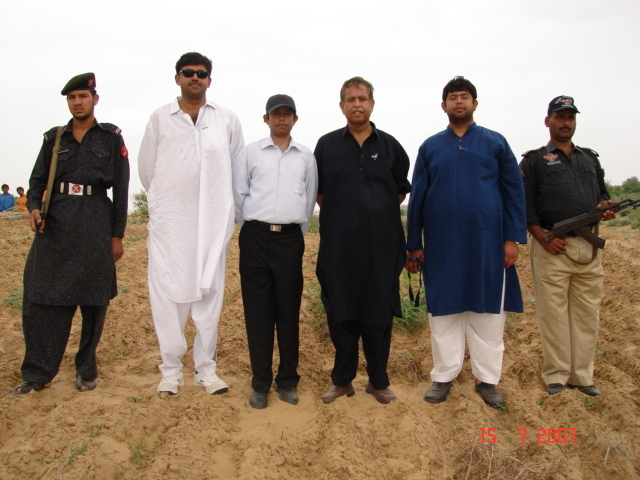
x: 582, y: 222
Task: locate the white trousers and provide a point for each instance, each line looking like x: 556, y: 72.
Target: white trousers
x: 484, y: 333
x: 170, y: 319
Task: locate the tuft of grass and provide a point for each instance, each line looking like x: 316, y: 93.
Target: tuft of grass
x: 15, y: 298
x: 138, y: 450
x: 74, y: 452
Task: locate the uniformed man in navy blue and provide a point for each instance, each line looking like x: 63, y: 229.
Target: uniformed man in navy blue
x: 72, y: 260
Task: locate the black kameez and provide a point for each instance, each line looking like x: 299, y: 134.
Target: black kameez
x: 362, y: 242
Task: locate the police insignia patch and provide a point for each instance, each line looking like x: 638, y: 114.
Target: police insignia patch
x: 124, y: 152
x: 550, y: 157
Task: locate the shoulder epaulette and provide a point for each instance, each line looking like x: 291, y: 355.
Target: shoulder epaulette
x: 539, y: 150
x: 111, y: 128
x: 590, y: 150
x: 50, y: 134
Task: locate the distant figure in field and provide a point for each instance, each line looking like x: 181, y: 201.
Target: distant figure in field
x: 561, y: 181
x: 187, y: 150
x: 73, y: 256
x: 275, y: 185
x: 466, y: 216
x: 362, y: 174
x: 6, y: 199
x: 22, y: 199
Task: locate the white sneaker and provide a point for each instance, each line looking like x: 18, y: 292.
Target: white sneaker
x: 171, y: 383
x: 211, y: 383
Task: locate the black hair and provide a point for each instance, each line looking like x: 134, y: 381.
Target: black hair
x: 193, y: 58
x: 457, y: 84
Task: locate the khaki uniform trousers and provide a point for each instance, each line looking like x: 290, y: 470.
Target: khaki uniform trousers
x: 568, y: 297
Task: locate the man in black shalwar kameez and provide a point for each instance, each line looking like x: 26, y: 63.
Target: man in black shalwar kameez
x: 72, y: 260
x: 362, y: 176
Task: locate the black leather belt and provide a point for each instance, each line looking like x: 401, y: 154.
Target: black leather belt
x: 273, y: 228
x: 77, y: 189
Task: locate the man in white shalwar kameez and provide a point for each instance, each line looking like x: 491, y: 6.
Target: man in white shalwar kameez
x: 185, y: 166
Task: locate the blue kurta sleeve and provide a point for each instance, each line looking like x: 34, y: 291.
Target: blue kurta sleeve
x: 419, y: 186
x: 513, y: 198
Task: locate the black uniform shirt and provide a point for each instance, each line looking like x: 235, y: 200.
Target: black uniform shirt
x: 72, y: 263
x: 558, y: 187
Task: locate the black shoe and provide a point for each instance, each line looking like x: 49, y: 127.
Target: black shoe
x: 554, y: 388
x: 258, y: 399
x: 490, y: 395
x: 438, y: 392
x: 288, y: 394
x: 590, y: 390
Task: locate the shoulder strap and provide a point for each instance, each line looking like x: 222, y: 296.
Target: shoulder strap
x: 52, y: 173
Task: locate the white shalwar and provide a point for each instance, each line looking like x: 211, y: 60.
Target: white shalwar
x: 186, y: 171
x: 484, y: 333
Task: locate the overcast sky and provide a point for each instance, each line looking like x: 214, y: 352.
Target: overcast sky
x: 519, y: 54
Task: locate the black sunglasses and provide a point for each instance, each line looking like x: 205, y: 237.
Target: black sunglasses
x: 189, y: 73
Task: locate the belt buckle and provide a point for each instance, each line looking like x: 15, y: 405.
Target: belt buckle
x: 75, y: 189
x: 275, y: 228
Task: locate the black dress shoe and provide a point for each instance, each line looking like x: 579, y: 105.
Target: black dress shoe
x: 288, y: 394
x: 258, y: 399
x: 590, y: 390
x: 438, y: 392
x: 490, y: 395
x: 554, y: 388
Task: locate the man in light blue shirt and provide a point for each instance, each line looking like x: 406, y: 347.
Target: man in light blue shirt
x: 274, y: 186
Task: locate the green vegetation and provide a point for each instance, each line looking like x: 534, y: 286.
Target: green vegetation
x: 140, y: 206
x: 15, y: 298
x: 630, y: 188
x: 137, y: 451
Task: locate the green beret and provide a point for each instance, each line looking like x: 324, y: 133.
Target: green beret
x: 85, y: 81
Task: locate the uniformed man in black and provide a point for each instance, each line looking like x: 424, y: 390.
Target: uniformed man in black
x: 72, y: 260
x: 362, y: 179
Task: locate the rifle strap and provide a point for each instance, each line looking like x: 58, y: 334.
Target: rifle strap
x: 415, y: 301
x: 596, y: 230
x: 52, y: 173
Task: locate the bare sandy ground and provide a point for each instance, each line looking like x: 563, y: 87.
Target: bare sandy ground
x: 124, y: 429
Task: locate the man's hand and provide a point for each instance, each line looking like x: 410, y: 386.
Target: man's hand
x: 118, y: 248
x: 412, y: 266
x: 510, y: 253
x: 556, y: 246
x: 35, y: 219
x: 608, y: 215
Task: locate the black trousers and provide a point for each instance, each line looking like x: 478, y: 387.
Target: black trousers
x: 376, y: 345
x: 271, y: 280
x: 46, y: 333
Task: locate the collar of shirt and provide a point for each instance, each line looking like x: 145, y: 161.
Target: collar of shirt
x: 551, y: 148
x: 374, y: 130
x: 268, y: 142
x: 470, y: 128
x: 175, y: 106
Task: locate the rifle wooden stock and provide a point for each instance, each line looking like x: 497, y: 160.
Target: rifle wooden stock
x: 581, y: 223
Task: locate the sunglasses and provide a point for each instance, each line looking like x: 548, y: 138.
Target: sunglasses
x: 202, y: 74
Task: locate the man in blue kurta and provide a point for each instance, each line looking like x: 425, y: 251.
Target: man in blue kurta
x: 468, y: 201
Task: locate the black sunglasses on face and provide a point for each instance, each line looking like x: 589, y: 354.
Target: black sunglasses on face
x: 202, y: 74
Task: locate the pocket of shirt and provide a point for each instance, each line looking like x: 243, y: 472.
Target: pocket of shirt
x: 298, y: 180
x: 557, y: 174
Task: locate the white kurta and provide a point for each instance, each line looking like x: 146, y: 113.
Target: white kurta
x: 186, y: 170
